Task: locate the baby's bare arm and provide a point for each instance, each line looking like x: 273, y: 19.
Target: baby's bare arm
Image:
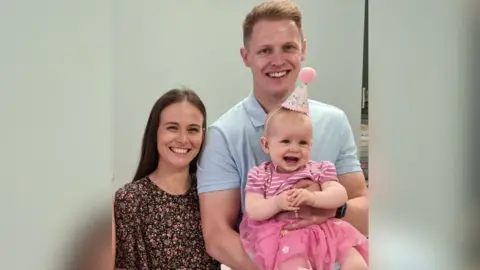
x: 333, y: 195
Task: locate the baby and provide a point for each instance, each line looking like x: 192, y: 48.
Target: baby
x: 287, y: 140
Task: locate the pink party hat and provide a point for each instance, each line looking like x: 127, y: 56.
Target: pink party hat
x: 298, y: 100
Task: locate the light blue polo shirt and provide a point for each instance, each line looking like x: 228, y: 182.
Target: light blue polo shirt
x: 233, y: 147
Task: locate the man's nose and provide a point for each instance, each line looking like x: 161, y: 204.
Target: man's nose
x: 278, y: 59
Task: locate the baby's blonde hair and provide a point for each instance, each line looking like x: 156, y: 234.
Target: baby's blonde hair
x: 281, y: 111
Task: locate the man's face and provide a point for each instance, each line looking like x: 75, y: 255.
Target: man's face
x: 274, y: 54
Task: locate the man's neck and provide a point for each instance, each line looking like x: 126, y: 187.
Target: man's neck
x: 269, y: 102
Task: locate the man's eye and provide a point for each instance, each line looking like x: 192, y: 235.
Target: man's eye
x: 266, y: 50
x: 290, y: 48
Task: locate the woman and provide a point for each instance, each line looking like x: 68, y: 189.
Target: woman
x: 157, y: 216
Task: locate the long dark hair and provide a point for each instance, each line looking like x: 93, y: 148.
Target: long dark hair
x: 149, y: 156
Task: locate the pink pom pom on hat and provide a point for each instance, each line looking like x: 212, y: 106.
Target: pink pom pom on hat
x: 298, y: 100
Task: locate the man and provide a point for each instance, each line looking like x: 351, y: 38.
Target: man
x: 274, y: 48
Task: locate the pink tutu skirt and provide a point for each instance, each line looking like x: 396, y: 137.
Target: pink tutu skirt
x: 315, y: 247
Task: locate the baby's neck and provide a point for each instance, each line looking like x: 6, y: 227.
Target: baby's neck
x: 279, y: 169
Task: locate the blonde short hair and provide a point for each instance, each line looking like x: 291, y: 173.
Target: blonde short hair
x: 271, y: 10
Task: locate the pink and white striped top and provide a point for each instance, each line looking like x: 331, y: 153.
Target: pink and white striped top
x: 266, y: 180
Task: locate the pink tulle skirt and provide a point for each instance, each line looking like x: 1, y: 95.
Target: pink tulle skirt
x: 315, y: 247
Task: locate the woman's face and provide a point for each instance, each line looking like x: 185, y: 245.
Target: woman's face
x: 179, y: 135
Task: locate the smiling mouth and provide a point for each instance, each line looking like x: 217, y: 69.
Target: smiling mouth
x: 179, y: 151
x: 291, y: 160
x: 278, y: 74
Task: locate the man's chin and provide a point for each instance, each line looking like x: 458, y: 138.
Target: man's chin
x: 279, y: 92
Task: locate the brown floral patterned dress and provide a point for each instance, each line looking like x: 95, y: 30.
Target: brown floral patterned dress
x: 157, y: 230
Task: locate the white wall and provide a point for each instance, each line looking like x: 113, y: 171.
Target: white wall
x: 56, y: 127
x: 161, y: 45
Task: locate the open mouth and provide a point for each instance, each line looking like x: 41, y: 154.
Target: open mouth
x: 179, y: 151
x: 278, y: 74
x: 291, y: 160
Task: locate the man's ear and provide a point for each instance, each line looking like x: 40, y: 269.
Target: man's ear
x: 304, y: 49
x: 244, y: 55
x: 264, y: 142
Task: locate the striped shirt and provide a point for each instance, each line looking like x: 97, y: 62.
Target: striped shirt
x: 264, y: 179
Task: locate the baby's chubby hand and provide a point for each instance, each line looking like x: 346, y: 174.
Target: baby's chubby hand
x: 301, y: 196
x: 284, y: 201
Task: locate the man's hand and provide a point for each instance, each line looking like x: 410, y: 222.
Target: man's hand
x: 310, y: 216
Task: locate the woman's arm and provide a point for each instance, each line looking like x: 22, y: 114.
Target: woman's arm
x: 113, y: 236
x: 130, y: 245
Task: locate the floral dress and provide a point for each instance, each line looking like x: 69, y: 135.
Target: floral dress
x: 157, y: 230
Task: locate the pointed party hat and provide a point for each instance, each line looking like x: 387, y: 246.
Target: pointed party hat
x: 298, y: 100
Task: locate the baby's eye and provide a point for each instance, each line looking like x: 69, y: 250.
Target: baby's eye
x: 303, y: 142
x: 285, y: 141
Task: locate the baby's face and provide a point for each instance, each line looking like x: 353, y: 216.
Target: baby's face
x: 288, y: 142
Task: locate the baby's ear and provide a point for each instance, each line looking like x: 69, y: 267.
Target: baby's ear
x: 264, y: 142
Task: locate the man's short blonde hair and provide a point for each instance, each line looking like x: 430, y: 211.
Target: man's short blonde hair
x: 271, y: 10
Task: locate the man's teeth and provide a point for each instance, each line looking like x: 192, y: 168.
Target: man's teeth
x: 179, y: 150
x: 277, y: 74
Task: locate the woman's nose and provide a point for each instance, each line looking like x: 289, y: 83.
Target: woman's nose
x: 183, y: 137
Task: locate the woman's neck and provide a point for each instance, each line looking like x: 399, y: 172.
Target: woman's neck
x: 173, y: 181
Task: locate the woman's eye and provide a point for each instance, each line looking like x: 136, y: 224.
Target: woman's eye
x: 193, y: 130
x: 172, y: 128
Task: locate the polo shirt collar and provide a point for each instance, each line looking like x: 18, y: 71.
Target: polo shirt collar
x: 254, y: 111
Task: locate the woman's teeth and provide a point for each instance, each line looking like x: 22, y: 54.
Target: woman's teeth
x: 277, y: 74
x: 179, y: 150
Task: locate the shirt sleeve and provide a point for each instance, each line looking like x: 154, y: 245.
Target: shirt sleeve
x: 216, y: 169
x: 256, y: 180
x: 323, y: 171
x: 347, y: 160
x: 129, y: 240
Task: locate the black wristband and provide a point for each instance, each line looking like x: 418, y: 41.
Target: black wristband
x: 341, y: 211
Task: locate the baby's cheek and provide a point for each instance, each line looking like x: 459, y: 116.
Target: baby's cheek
x: 306, y: 153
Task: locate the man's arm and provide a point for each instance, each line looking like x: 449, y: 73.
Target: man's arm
x: 218, y: 222
x: 357, y: 205
x: 219, y: 186
x: 350, y: 175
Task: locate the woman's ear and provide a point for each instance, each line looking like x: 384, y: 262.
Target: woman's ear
x: 264, y: 142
